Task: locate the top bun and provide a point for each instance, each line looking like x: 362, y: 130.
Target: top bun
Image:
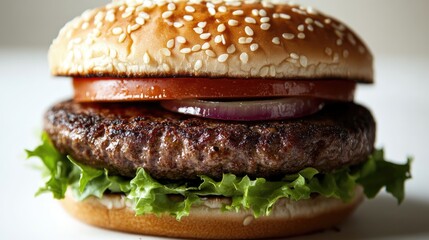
x: 237, y: 39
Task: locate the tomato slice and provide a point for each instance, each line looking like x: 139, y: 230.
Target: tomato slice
x: 106, y: 89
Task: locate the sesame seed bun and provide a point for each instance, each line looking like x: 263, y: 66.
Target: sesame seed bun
x: 207, y: 39
x: 209, y: 222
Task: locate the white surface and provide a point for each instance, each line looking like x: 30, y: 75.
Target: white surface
x: 399, y: 102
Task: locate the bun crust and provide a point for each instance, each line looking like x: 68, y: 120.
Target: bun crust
x: 288, y: 218
x: 209, y: 39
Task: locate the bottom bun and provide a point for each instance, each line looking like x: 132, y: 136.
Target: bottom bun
x: 207, y: 221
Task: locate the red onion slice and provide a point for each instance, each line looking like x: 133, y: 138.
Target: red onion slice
x: 273, y: 109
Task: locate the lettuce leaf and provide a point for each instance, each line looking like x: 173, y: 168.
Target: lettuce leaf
x: 258, y: 195
x: 58, y: 168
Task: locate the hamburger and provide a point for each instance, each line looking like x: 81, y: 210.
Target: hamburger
x: 212, y: 119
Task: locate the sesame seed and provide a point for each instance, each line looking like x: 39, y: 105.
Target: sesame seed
x: 198, y: 65
x: 336, y: 58
x: 232, y: 22
x: 250, y: 20
x: 165, y: 52
x: 198, y: 30
x: 299, y: 11
x: 285, y: 16
x: 205, y: 46
x: 212, y: 11
x: 262, y: 13
x: 178, y: 24
x: 303, y: 61
x: 351, y: 39
x: 339, y: 41
x: 121, y: 67
x: 166, y: 14
x: 294, y: 56
x: 85, y: 25
x: 188, y: 18
x: 328, y: 51
x: 218, y: 39
x: 244, y: 40
x: 210, y: 53
x: 110, y: 17
x: 319, y: 24
x: 265, y: 26
x: 196, y: 48
x: 339, y: 33
x: 96, y: 32
x: 233, y: 3
x: 223, y: 57
x: 99, y: 17
x: 185, y: 50
x: 288, y: 36
x: 311, y: 10
x: 122, y: 38
x: 221, y: 27
x: 210, y: 4
x: 146, y: 58
x: 140, y: 20
x: 133, y: 27
x: 166, y: 67
x: 126, y: 14
x: 249, y: 219
x: 205, y: 36
x: 346, y: 53
x: 222, y: 9
x: 276, y: 40
x: 171, y: 6
x: 117, y: 31
x: 231, y: 49
x: 170, y: 43
x: 130, y: 9
x: 362, y: 49
x: 238, y: 12
x: 310, y: 28
x: 244, y: 58
x: 254, y: 47
x: 301, y: 28
x: 309, y: 21
x: 99, y: 25
x: 144, y: 15
x: 276, y: 15
x: 180, y: 39
x: 265, y: 19
x: 248, y: 31
x: 189, y: 9
x: 340, y: 27
x: 202, y: 24
x: 328, y: 21
x: 255, y: 12
x: 301, y: 35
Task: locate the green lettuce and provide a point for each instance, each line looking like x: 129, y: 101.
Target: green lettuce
x: 258, y: 195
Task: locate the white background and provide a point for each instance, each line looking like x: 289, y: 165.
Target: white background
x: 396, y: 30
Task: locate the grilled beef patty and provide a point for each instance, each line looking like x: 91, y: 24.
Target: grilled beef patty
x: 124, y: 137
